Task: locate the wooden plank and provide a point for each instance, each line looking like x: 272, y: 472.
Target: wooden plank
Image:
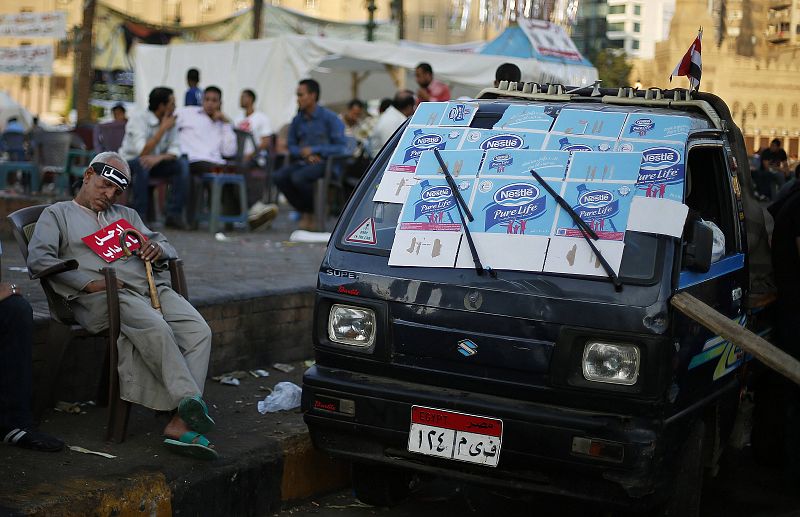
x: 720, y: 324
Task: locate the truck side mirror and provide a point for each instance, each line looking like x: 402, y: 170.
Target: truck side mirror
x: 697, y: 247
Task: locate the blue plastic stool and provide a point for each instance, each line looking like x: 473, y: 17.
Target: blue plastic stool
x: 27, y: 167
x: 214, y: 215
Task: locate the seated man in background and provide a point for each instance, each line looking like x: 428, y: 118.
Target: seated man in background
x: 151, y: 148
x: 163, y: 358
x: 16, y: 329
x: 314, y: 134
x: 430, y: 89
x: 392, y: 118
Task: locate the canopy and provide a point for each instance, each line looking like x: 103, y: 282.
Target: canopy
x: 273, y: 66
x: 10, y: 108
x: 537, y: 39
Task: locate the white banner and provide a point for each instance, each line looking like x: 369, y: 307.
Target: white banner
x: 27, y: 60
x: 34, y: 25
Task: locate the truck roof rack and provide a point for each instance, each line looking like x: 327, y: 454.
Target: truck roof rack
x: 677, y: 98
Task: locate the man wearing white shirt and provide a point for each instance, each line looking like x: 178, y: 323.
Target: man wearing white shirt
x: 150, y: 147
x: 392, y: 118
x: 254, y: 122
x: 205, y: 133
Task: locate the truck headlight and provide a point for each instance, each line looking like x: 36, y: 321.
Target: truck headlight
x: 612, y: 363
x: 354, y: 326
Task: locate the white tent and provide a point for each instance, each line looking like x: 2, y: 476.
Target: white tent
x: 10, y: 108
x: 273, y: 66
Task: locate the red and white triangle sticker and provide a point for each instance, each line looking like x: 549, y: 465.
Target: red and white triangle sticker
x: 364, y: 234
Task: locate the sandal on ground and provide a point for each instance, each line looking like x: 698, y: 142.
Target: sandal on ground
x: 34, y: 440
x: 194, y: 412
x: 192, y: 444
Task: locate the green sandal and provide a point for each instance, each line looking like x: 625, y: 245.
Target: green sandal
x: 194, y: 412
x: 192, y: 444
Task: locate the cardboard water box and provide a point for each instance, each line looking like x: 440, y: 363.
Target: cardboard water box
x: 416, y: 140
x: 576, y: 122
x: 528, y: 118
x: 549, y: 164
x: 658, y: 127
x: 513, y: 206
x: 453, y: 113
x: 492, y: 139
x: 662, y: 170
x: 431, y: 206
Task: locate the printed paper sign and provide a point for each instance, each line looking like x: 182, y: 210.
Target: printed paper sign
x: 657, y: 127
x: 27, y: 60
x: 431, y: 206
x: 657, y: 215
x: 662, y: 170
x: 574, y: 256
x: 459, y: 163
x: 394, y: 187
x: 513, y: 206
x: 548, y: 164
x: 105, y: 242
x: 528, y: 118
x: 424, y: 248
x: 501, y: 251
x: 486, y: 139
x: 603, y: 206
x: 589, y: 123
x: 415, y: 141
x: 577, y: 143
x: 587, y: 167
x: 459, y: 114
x: 428, y: 114
x: 364, y: 233
x: 34, y: 25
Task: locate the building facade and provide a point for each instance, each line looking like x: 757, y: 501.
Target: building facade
x: 761, y: 89
x: 636, y: 26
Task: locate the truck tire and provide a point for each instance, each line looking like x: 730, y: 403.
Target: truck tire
x: 377, y: 485
x: 687, y: 484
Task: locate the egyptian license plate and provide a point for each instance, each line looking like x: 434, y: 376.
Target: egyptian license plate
x: 455, y: 436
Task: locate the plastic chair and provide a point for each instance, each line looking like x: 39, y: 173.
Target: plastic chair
x: 50, y: 154
x: 331, y: 179
x: 109, y: 136
x: 23, y: 223
x: 216, y: 181
x: 28, y: 168
x: 77, y: 161
x: 245, y: 168
x: 13, y: 143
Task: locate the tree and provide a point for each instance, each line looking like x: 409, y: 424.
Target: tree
x: 85, y: 72
x: 258, y: 8
x: 613, y: 67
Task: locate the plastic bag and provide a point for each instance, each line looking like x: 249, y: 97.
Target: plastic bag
x: 285, y: 396
x: 718, y: 248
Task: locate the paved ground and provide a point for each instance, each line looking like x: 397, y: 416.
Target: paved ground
x: 249, y: 264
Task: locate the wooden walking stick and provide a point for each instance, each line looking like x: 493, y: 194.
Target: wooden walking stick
x: 148, y: 266
x: 761, y: 349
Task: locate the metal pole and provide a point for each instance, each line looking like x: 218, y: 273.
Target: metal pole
x: 371, y: 20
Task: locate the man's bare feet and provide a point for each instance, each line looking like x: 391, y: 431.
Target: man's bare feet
x: 176, y: 428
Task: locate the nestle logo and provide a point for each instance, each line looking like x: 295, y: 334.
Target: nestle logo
x: 576, y: 147
x: 502, y: 142
x: 660, y: 157
x: 516, y: 193
x: 436, y: 193
x: 595, y: 198
x: 502, y: 159
x: 642, y: 126
x: 427, y: 141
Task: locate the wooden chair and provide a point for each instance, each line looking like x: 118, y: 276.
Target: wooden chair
x: 23, y: 222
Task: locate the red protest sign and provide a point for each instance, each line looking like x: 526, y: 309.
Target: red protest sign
x: 105, y: 242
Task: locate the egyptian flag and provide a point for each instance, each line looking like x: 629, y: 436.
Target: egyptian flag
x: 690, y: 64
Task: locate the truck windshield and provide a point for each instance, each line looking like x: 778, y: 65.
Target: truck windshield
x: 365, y: 216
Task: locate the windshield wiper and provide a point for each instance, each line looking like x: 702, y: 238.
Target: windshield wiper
x: 462, y: 207
x: 586, y: 231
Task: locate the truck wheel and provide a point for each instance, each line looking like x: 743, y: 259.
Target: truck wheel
x: 687, y: 484
x: 380, y: 486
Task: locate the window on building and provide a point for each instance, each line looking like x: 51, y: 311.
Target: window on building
x: 795, y: 111
x: 58, y: 86
x: 637, y: 28
x: 635, y: 44
x: 765, y: 110
x: 616, y: 9
x: 779, y: 111
x: 797, y: 29
x: 312, y: 4
x: 207, y: 6
x: 616, y: 27
x: 427, y: 22
x: 637, y: 9
x: 736, y: 108
x: 616, y: 43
